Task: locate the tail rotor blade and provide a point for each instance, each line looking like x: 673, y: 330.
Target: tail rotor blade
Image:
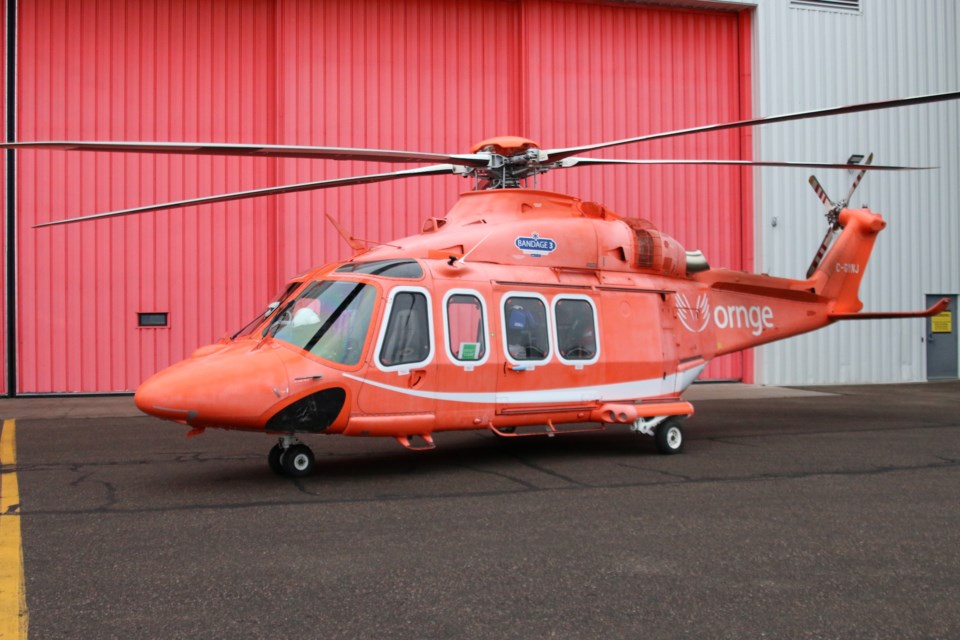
x: 822, y: 251
x: 818, y: 189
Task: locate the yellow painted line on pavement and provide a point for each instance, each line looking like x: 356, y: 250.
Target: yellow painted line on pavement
x: 13, y: 594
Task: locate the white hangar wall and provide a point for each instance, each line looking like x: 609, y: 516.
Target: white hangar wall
x: 807, y: 59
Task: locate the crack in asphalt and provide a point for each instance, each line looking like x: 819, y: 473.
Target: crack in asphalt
x: 498, y: 474
x: 727, y: 440
x: 87, y: 477
x: 550, y: 472
x: 676, y: 480
x: 663, y: 472
x: 203, y: 457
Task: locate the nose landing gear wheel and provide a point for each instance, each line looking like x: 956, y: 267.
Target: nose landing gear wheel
x: 291, y: 458
x: 298, y: 461
x: 669, y: 437
x: 275, y: 459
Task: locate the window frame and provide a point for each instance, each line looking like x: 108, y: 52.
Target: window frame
x: 579, y: 364
x: 406, y: 367
x: 484, y: 317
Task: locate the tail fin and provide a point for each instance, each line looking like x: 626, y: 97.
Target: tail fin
x: 839, y: 273
x: 834, y: 209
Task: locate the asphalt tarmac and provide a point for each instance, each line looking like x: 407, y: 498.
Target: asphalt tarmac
x: 810, y: 516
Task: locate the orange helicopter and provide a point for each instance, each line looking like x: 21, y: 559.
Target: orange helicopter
x: 522, y: 312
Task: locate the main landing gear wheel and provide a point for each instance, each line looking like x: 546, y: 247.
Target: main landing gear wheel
x: 291, y: 458
x: 669, y: 437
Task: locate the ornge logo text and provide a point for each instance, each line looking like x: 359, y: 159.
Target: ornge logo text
x: 696, y: 317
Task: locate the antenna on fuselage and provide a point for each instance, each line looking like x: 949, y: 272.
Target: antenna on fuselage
x: 463, y: 258
x: 359, y: 245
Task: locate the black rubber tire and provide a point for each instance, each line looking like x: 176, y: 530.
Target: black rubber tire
x: 275, y: 460
x: 298, y: 461
x: 669, y: 437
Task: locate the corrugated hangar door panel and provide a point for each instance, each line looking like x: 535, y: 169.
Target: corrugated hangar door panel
x: 429, y: 75
x: 599, y: 72
x: 118, y: 70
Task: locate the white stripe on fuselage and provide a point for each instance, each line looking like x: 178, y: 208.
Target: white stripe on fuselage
x: 633, y: 390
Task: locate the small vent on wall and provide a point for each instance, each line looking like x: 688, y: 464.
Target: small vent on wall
x: 152, y: 319
x: 845, y: 6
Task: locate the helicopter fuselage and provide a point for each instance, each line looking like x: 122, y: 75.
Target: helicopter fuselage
x: 519, y: 308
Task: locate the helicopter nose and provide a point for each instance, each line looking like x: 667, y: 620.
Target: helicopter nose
x: 231, y: 388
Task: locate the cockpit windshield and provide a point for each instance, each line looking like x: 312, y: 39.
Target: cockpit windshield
x: 330, y: 319
x: 273, y: 306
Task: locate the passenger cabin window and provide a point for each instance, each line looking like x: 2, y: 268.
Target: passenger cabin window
x: 465, y: 332
x: 526, y: 328
x: 407, y: 338
x: 576, y: 329
x: 330, y: 319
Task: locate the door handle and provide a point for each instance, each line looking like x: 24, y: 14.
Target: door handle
x: 416, y: 378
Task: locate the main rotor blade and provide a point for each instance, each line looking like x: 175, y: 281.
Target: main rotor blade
x: 560, y: 154
x: 270, y: 191
x: 573, y: 162
x: 256, y: 151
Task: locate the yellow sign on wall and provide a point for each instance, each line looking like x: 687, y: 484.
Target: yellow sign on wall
x: 942, y: 322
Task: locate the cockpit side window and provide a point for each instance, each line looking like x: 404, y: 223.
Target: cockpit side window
x: 407, y: 336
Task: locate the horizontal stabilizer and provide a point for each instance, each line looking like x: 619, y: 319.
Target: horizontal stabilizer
x: 932, y: 311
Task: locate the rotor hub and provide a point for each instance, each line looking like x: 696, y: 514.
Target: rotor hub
x: 505, y: 145
x: 512, y: 159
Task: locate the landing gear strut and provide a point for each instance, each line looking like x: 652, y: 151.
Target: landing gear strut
x: 290, y: 457
x: 665, y: 430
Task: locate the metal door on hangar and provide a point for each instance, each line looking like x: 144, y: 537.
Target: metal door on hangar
x: 942, y: 341
x: 431, y: 75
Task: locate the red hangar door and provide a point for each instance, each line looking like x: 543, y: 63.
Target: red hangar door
x: 430, y: 75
